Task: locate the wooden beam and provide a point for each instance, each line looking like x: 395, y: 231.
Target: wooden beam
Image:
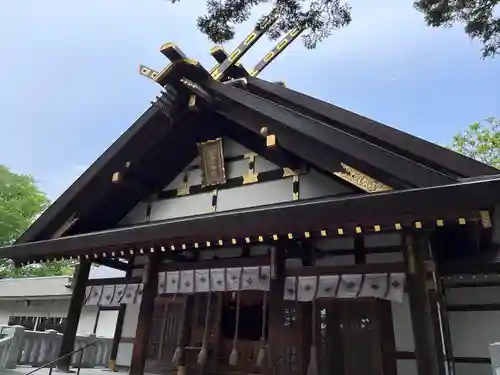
x: 348, y: 269
x: 73, y: 316
x: 120, y: 319
x: 114, y: 281
x: 316, y: 138
x: 383, y: 209
x: 143, y: 330
x: 414, y: 249
x: 276, y: 311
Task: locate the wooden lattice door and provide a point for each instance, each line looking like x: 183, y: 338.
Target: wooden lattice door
x: 167, y: 318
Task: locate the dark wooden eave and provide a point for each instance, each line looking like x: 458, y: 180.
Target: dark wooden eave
x: 158, y: 150
x: 400, y: 142
x: 447, y: 202
x: 318, y: 142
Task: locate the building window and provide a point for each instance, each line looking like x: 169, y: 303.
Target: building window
x: 38, y: 323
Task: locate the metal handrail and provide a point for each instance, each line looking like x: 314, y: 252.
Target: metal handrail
x: 51, y: 363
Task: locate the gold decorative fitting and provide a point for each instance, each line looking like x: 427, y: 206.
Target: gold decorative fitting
x: 358, y: 230
x: 196, y: 245
x: 323, y: 233
x: 192, y: 101
x: 131, y: 251
x: 113, y: 254
x: 127, y: 164
x: 104, y: 255
x: 247, y: 239
x: 184, y: 190
x: 376, y: 228
x: 95, y: 256
x: 172, y: 247
x: 418, y: 224
x: 233, y: 241
x: 250, y: 176
x: 264, y: 131
x: 295, y: 187
x: 398, y: 226
x: 340, y: 231
x: 275, y: 237
x: 461, y: 221
x: 271, y: 140
x: 165, y: 71
x: 290, y: 236
x: 163, y: 248
x: 208, y: 243
x: 148, y: 72
x: 116, y: 177
x: 212, y: 162
x: 440, y: 222
x: 361, y: 180
x: 141, y: 251
x: 122, y: 253
x: 307, y: 234
x: 261, y: 239
x: 485, y: 219
x: 221, y: 242
x: 152, y: 250
x: 215, y: 49
x: 183, y: 246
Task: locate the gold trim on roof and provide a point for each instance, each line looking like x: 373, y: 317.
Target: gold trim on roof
x: 361, y: 180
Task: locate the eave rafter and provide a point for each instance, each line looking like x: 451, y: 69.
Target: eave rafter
x: 416, y: 209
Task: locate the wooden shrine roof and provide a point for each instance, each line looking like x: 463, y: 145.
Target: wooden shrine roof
x: 156, y: 148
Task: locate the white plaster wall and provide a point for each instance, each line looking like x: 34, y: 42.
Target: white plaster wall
x: 403, y: 331
x: 56, y: 286
x: 473, y: 369
x: 129, y: 326
x: 311, y: 185
x: 408, y: 367
x: 473, y: 331
x: 107, y: 323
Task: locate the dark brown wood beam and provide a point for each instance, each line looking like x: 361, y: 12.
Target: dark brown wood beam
x: 414, y: 249
x: 276, y: 312
x: 114, y: 281
x: 348, y: 269
x: 143, y: 330
x: 73, y: 317
x: 384, y: 209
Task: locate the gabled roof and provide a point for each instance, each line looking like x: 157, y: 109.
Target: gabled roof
x: 155, y: 149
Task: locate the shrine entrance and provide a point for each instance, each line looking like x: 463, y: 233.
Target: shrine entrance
x: 356, y: 337
x: 347, y: 330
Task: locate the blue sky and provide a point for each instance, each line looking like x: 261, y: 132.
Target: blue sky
x: 69, y: 82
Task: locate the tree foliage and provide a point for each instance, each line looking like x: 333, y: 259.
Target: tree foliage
x: 480, y: 141
x: 480, y: 17
x: 20, y: 203
x: 321, y: 17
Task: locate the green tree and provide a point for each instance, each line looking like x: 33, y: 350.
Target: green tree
x: 480, y: 17
x: 321, y: 17
x: 21, y: 202
x: 480, y: 141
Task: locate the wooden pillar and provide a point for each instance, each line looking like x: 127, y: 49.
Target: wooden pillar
x: 276, y: 311
x: 143, y: 330
x: 307, y: 256
x: 415, y: 249
x: 74, y: 311
x: 119, y: 325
